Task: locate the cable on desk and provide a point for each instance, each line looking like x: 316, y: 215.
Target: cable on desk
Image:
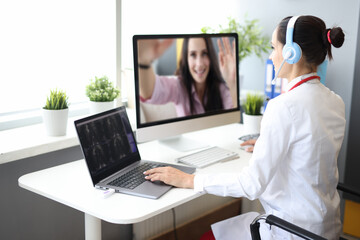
x: 174, y: 223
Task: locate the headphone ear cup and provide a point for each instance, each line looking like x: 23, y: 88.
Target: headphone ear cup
x: 295, y: 52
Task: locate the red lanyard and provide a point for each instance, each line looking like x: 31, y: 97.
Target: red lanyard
x: 303, y: 81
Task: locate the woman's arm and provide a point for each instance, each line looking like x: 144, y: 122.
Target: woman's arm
x: 149, y: 50
x: 270, y: 151
x: 146, y: 81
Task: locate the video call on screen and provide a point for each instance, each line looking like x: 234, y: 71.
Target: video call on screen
x: 168, y: 65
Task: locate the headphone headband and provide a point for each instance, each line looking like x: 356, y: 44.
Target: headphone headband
x: 292, y: 21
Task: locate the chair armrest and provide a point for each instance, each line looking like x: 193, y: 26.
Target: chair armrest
x: 278, y: 222
x: 347, y: 189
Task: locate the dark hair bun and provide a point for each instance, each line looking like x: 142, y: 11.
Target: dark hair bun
x: 337, y: 37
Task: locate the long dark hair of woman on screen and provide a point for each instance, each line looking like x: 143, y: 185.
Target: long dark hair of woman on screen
x: 213, y: 80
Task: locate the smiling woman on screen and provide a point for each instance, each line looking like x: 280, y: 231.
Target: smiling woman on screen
x: 200, y: 84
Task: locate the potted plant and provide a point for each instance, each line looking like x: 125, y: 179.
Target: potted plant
x: 253, y: 112
x: 55, y: 113
x: 250, y: 38
x: 102, y: 94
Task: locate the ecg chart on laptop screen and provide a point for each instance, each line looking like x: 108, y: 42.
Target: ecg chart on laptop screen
x: 106, y: 141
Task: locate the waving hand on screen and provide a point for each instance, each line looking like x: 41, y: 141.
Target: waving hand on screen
x: 149, y: 50
x: 227, y: 60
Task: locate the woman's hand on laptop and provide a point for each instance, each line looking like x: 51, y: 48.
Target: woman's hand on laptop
x: 170, y: 176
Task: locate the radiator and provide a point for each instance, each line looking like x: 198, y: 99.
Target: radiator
x: 184, y: 213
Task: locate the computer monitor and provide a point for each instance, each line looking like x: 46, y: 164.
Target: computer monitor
x: 180, y: 85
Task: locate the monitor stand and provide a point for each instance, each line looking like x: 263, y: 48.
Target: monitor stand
x: 183, y: 144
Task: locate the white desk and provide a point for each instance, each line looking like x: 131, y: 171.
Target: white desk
x: 70, y: 184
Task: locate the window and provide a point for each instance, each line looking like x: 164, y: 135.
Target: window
x: 53, y: 44
x: 64, y: 43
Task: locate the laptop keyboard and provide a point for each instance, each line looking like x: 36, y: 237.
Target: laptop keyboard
x: 135, y: 177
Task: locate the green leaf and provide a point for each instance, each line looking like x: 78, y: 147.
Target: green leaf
x: 57, y: 100
x: 101, y: 90
x: 250, y: 38
x: 253, y: 104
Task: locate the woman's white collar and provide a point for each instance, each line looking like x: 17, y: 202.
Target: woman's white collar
x: 298, y: 79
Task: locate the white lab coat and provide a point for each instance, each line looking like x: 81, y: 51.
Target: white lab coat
x: 293, y: 169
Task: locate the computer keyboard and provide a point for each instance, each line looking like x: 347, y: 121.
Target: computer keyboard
x: 208, y: 156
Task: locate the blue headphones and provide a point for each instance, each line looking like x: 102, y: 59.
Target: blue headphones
x: 291, y: 51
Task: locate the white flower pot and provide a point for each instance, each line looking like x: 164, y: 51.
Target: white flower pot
x: 98, y: 107
x: 252, y: 123
x: 55, y: 121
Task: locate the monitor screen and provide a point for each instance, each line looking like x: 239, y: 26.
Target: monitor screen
x: 185, y: 82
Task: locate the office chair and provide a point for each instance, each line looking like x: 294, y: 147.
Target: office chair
x: 289, y: 227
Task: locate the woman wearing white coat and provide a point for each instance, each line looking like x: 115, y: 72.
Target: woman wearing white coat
x: 293, y: 169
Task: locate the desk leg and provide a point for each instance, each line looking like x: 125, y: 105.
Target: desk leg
x: 92, y: 227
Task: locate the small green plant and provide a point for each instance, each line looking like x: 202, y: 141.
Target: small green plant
x: 253, y: 104
x: 249, y: 34
x: 57, y: 100
x: 101, y: 90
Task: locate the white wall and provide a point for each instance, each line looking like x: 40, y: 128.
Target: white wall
x: 340, y: 73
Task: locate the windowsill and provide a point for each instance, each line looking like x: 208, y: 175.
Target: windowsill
x: 29, y: 141
x: 24, y: 142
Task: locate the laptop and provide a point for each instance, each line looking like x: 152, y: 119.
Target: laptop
x: 113, y: 158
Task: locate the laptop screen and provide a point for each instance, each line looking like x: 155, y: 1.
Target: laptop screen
x: 107, y: 142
